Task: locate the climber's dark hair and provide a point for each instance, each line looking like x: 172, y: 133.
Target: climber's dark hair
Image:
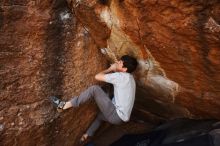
x: 129, y: 62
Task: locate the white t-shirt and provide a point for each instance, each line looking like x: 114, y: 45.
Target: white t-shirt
x: 124, y: 93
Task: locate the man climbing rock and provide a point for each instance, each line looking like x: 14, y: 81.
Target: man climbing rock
x: 115, y: 111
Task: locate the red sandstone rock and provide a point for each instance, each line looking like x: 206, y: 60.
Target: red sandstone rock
x: 181, y: 41
x: 44, y: 51
x: 48, y: 49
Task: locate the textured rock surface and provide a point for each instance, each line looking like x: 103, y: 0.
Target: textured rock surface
x: 47, y: 48
x: 176, y: 42
x: 44, y: 51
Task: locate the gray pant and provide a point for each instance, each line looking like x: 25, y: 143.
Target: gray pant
x: 107, y: 109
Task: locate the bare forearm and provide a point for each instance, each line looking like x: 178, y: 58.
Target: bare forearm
x: 105, y: 71
x: 100, y: 75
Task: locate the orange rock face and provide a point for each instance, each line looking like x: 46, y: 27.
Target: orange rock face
x: 52, y: 48
x: 44, y: 51
x: 176, y: 42
x: 182, y: 36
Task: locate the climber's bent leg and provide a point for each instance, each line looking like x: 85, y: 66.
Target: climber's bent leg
x: 102, y: 100
x: 95, y: 124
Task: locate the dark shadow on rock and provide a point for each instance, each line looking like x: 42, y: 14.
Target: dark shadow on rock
x: 53, y: 63
x: 177, y: 132
x: 1, y: 18
x: 104, y: 2
x: 54, y: 57
x: 203, y: 15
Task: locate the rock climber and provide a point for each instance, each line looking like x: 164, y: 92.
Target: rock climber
x: 116, y: 110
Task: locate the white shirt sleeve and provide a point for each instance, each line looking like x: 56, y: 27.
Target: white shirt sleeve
x: 112, y: 78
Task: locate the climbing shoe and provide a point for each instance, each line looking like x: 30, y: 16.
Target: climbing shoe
x: 57, y: 103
